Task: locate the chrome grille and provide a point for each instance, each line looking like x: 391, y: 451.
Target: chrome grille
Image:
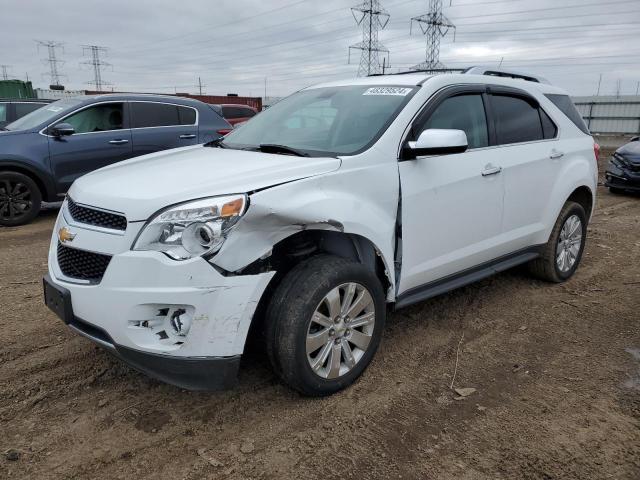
x: 98, y: 218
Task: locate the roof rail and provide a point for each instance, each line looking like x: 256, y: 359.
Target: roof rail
x: 431, y: 70
x: 476, y: 70
x: 505, y: 73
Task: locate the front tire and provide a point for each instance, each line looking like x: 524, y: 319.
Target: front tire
x: 616, y: 191
x: 324, y: 324
x: 561, y: 255
x: 20, y: 199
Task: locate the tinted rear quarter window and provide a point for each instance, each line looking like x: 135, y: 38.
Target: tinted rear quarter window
x: 566, y: 106
x: 516, y: 120
x: 147, y: 114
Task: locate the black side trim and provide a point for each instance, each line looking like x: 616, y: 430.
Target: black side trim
x: 471, y: 275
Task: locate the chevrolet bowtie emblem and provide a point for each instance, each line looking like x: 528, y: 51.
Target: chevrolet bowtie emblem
x: 64, y: 235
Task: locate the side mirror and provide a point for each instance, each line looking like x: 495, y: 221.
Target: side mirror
x: 634, y: 139
x: 62, y: 130
x: 434, y: 141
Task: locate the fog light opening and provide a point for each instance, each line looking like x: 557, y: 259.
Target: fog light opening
x: 180, y: 322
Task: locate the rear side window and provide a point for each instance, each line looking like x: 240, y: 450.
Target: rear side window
x: 187, y: 116
x: 462, y: 112
x: 23, y: 108
x: 516, y: 120
x: 148, y: 114
x: 566, y: 106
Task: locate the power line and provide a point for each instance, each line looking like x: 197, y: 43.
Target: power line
x: 434, y: 25
x: 52, y: 60
x: 97, y: 64
x: 373, y: 18
x: 5, y: 71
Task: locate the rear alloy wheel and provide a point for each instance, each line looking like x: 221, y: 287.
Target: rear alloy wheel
x: 324, y: 324
x: 20, y: 199
x: 561, y: 255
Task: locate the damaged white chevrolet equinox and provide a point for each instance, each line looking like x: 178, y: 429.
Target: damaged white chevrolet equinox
x: 308, y: 222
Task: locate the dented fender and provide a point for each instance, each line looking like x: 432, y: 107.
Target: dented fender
x: 354, y: 200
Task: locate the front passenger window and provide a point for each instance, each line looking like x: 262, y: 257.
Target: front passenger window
x: 462, y: 112
x: 99, y: 118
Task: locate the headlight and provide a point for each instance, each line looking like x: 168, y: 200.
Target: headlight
x: 192, y: 229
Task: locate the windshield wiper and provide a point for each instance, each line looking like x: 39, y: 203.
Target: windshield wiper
x: 275, y: 148
x: 216, y: 143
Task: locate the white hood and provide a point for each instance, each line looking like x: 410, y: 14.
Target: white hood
x: 141, y: 186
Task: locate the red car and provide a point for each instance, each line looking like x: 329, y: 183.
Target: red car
x: 235, y: 113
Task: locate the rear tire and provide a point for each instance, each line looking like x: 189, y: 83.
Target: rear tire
x: 561, y: 255
x: 324, y: 324
x: 20, y: 199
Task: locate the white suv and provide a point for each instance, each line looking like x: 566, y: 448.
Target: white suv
x: 309, y: 221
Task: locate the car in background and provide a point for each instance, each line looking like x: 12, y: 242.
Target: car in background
x: 235, y: 113
x: 13, y: 109
x: 623, y: 171
x: 42, y: 153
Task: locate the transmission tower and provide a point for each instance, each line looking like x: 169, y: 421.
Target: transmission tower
x: 373, y: 18
x: 53, y: 62
x: 5, y: 71
x: 434, y: 25
x: 97, y: 64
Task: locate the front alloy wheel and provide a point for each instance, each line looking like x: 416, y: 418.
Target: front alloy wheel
x: 340, y: 330
x: 324, y: 323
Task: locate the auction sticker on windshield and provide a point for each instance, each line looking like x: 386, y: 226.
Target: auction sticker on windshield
x: 401, y: 91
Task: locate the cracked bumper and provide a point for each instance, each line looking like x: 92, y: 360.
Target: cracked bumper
x: 121, y: 312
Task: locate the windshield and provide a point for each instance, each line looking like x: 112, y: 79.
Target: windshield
x: 44, y: 114
x: 324, y: 121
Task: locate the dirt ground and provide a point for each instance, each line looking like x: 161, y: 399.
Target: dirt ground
x: 556, y: 370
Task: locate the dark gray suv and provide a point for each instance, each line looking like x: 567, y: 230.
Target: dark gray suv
x: 42, y: 153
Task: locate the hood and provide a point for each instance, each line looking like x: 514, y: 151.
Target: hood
x: 631, y: 152
x: 142, y: 186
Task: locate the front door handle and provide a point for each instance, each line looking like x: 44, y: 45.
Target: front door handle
x: 119, y: 141
x: 187, y: 136
x: 491, y: 170
x: 555, y: 154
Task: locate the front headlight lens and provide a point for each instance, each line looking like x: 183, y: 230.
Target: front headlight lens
x: 192, y: 229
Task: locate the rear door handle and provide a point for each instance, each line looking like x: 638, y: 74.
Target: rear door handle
x: 555, y: 154
x: 120, y: 141
x: 187, y: 136
x: 489, y: 170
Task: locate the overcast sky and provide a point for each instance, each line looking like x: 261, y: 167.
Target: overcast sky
x: 163, y: 46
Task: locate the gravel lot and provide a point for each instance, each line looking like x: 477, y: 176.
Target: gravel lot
x: 556, y: 370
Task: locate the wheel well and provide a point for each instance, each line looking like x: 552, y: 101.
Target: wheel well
x: 584, y: 197
x: 303, y: 245
x: 39, y: 183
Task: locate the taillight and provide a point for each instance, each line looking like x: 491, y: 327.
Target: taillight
x: 596, y: 151
x: 224, y: 131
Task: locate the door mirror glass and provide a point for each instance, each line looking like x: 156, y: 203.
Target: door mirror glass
x: 62, y: 130
x: 436, y: 141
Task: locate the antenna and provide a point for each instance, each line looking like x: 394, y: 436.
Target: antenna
x: 97, y: 64
x: 53, y: 62
x: 434, y: 25
x: 373, y: 18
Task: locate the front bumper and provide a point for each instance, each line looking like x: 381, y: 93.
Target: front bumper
x: 622, y: 178
x: 191, y: 373
x: 121, y: 311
